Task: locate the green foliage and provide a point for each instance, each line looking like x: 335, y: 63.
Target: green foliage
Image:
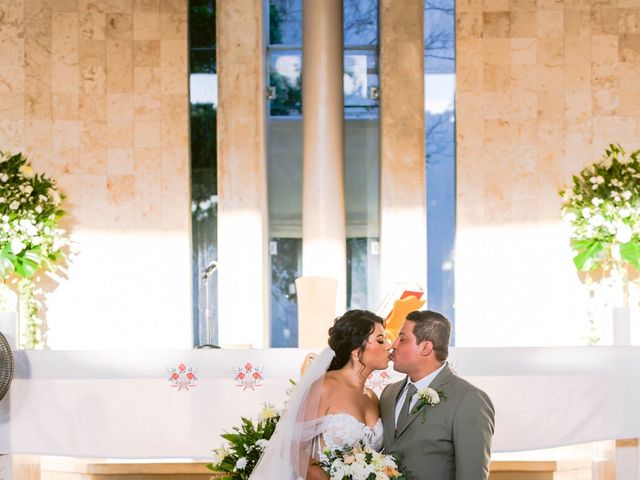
x: 603, y: 209
x: 245, y: 445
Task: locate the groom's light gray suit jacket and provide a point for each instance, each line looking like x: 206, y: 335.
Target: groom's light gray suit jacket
x: 453, y: 442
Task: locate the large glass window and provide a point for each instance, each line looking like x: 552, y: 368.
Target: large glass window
x: 203, y: 95
x: 362, y: 165
x: 440, y: 80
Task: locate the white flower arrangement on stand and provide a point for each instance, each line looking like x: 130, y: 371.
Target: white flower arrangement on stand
x: 602, y: 209
x: 31, y: 241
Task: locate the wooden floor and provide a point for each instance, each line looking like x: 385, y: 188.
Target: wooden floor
x: 61, y: 468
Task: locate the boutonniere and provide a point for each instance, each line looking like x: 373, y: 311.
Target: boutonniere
x: 428, y: 397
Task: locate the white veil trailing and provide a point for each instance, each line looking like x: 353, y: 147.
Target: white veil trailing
x: 289, y: 450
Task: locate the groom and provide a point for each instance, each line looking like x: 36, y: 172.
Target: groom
x: 446, y: 436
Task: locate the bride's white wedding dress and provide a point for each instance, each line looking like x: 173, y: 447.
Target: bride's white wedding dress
x: 337, y: 430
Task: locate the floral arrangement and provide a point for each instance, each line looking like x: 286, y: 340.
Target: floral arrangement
x: 359, y: 462
x: 427, y: 397
x: 31, y: 240
x: 246, y: 444
x: 603, y: 210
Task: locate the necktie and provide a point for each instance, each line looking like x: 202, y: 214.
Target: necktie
x: 403, y: 418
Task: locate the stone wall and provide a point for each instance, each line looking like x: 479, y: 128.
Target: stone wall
x: 95, y: 93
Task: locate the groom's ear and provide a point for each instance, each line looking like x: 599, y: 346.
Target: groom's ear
x: 427, y: 348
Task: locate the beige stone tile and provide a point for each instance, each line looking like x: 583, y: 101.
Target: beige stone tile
x: 173, y: 80
x: 577, y: 22
x: 495, y: 24
x: 37, y: 54
x: 119, y: 26
x: 550, y: 78
x: 629, y: 100
x: 629, y: 19
x: 469, y: 105
x: 523, y: 5
x: 604, y: 21
x: 581, y: 4
x: 524, y: 51
x: 65, y: 106
x: 551, y: 51
x: 577, y: 77
x: 118, y: 6
x: 64, y: 6
x: 524, y: 105
x: 12, y: 134
x: 94, y: 161
x: 146, y: 6
x: 469, y: 24
x: 64, y: 38
x: 93, y: 53
x: 469, y: 51
x: 496, y: 51
x: 11, y: 49
x: 624, y: 71
x: 495, y: 5
x: 11, y: 79
x: 577, y: 107
x: 175, y: 164
x: 68, y: 160
x: 147, y: 107
x: 147, y: 134
x: 173, y: 6
x: 120, y: 161
x: 146, y: 80
x: 120, y: 108
x: 65, y: 79
x: 93, y: 25
x: 146, y: 53
x: 550, y: 23
x: 629, y: 47
x: 550, y: 131
x: 523, y: 23
x: 469, y: 78
x: 37, y: 103
x: 97, y: 6
x: 614, y: 129
x: 173, y: 26
x: 496, y: 105
x: 93, y: 82
x: 496, y: 78
x: 524, y: 78
x: 12, y: 106
x: 120, y: 53
x: 604, y: 49
x: 120, y: 134
x: 147, y: 160
x: 577, y: 50
x: 121, y: 189
x: 38, y: 133
x: 119, y: 79
x: 148, y: 201
x: 468, y: 5
x: 550, y: 4
x: 146, y: 26
x: 604, y: 77
x: 93, y: 135
x: 173, y: 53
x: 66, y: 133
x: 605, y: 102
x: 551, y: 105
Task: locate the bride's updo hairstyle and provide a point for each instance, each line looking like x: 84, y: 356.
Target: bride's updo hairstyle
x: 351, y: 331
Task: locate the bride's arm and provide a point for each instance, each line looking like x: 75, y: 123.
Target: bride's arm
x: 314, y: 472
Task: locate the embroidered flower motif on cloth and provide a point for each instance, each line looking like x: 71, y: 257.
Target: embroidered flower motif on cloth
x: 248, y: 376
x: 378, y: 380
x: 183, y: 377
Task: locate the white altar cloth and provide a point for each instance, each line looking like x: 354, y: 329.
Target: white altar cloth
x: 124, y: 404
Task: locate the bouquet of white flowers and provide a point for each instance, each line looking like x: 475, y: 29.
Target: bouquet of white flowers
x: 359, y: 462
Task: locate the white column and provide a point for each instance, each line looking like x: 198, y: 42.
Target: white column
x: 323, y: 211
x: 403, y: 219
x: 242, y: 186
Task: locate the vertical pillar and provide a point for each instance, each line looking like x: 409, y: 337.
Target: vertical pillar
x: 242, y: 185
x: 403, y: 217
x: 323, y: 210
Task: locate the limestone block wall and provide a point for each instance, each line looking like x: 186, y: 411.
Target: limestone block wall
x: 95, y: 93
x: 542, y: 87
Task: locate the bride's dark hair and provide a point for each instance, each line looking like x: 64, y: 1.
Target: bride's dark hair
x: 351, y: 331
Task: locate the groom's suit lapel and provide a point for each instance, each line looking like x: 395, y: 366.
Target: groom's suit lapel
x: 389, y: 409
x: 438, y: 383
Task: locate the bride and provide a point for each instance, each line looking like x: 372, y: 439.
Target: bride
x: 330, y: 406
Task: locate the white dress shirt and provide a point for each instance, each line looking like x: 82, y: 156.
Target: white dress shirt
x: 420, y: 384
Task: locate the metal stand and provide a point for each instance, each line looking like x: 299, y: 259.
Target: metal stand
x: 206, y: 276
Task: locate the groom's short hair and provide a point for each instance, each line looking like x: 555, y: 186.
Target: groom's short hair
x: 434, y: 327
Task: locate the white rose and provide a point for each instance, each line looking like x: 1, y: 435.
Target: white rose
x: 2, y: 199
x: 597, y: 201
x: 241, y: 464
x: 4, y: 177
x: 599, y: 179
x: 17, y: 246
x: 435, y: 398
x: 586, y: 212
x: 569, y: 217
x: 624, y: 212
x: 14, y: 205
x: 28, y: 189
x: 262, y: 443
x: 626, y: 194
x: 624, y: 233
x: 38, y: 209
x: 597, y: 220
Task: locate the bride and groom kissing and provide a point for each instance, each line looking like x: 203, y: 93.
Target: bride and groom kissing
x: 438, y: 425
